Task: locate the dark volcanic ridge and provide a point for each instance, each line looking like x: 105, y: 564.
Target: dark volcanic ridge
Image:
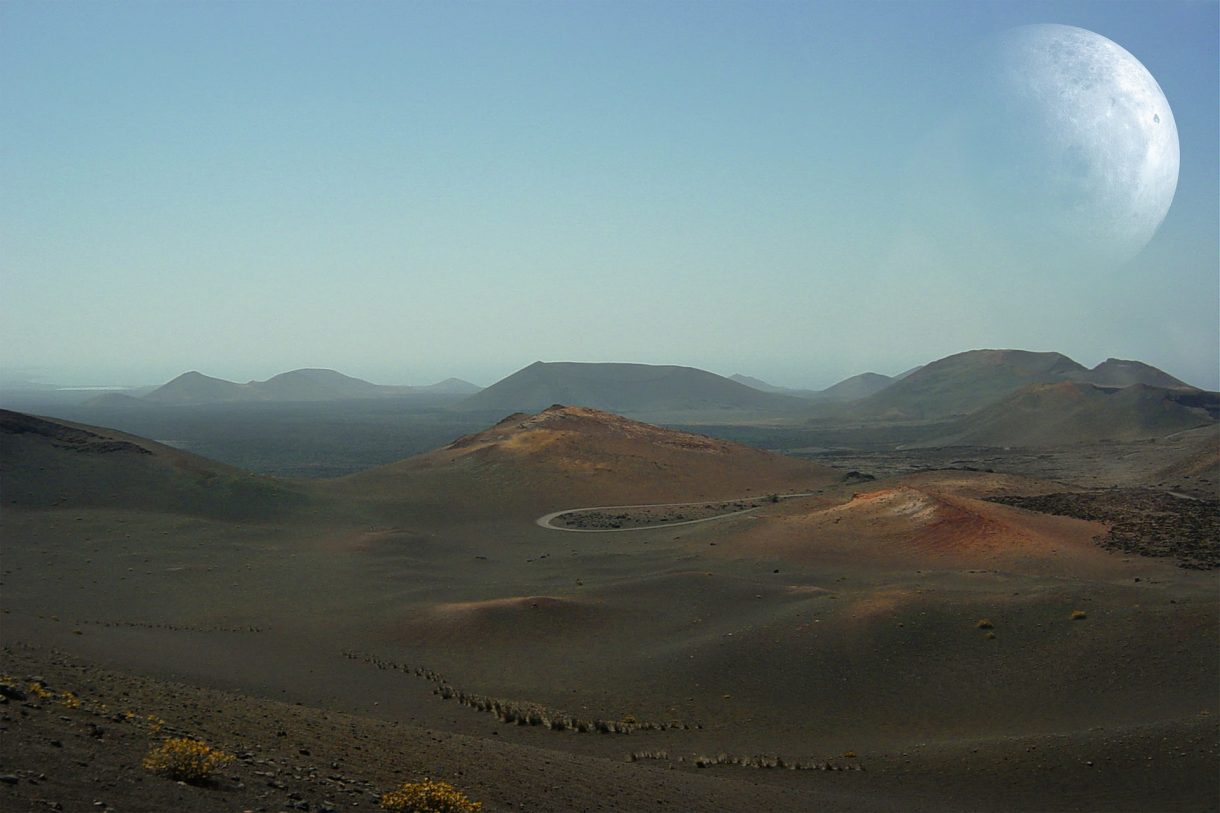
x: 62, y: 436
x: 1142, y: 521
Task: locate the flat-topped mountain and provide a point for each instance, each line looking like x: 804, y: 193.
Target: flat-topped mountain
x: 632, y: 389
x: 293, y: 386
x: 315, y: 385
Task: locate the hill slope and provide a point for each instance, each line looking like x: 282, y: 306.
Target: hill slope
x: 314, y: 385
x: 763, y: 386
x: 1122, y: 373
x: 195, y: 388
x: 1071, y: 412
x: 965, y: 382
x: 856, y: 387
x: 49, y: 463
x: 567, y: 457
x: 450, y: 386
x: 633, y: 389
x: 849, y: 389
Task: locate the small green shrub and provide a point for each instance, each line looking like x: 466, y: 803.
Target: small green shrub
x: 185, y: 760
x: 428, y: 797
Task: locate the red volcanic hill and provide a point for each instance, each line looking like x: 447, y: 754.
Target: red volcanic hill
x: 52, y: 463
x: 575, y: 457
x: 938, y: 516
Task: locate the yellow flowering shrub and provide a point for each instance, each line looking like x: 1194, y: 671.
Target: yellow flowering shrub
x: 39, y: 692
x: 185, y: 760
x: 428, y: 797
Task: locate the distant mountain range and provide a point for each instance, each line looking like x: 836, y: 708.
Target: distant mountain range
x: 985, y: 397
x: 953, y: 386
x: 965, y: 382
x: 849, y: 389
x: 995, y: 397
x: 294, y: 386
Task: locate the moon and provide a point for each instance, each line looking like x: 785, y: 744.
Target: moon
x: 1078, y: 143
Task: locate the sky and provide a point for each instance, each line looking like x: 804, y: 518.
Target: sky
x: 411, y: 191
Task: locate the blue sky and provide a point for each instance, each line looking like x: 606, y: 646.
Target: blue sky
x: 409, y: 191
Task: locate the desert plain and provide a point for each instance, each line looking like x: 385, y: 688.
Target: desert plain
x: 572, y: 610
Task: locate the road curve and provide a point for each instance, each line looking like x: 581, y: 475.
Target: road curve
x: 545, y: 521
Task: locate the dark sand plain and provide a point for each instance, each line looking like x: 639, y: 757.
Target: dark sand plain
x: 285, y: 621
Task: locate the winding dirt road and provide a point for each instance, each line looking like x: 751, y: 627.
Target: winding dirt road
x: 546, y: 520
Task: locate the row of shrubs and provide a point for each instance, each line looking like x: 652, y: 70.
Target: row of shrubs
x: 522, y: 713
x: 755, y: 761
x: 171, y: 627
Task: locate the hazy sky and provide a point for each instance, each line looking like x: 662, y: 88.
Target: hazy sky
x: 409, y: 191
